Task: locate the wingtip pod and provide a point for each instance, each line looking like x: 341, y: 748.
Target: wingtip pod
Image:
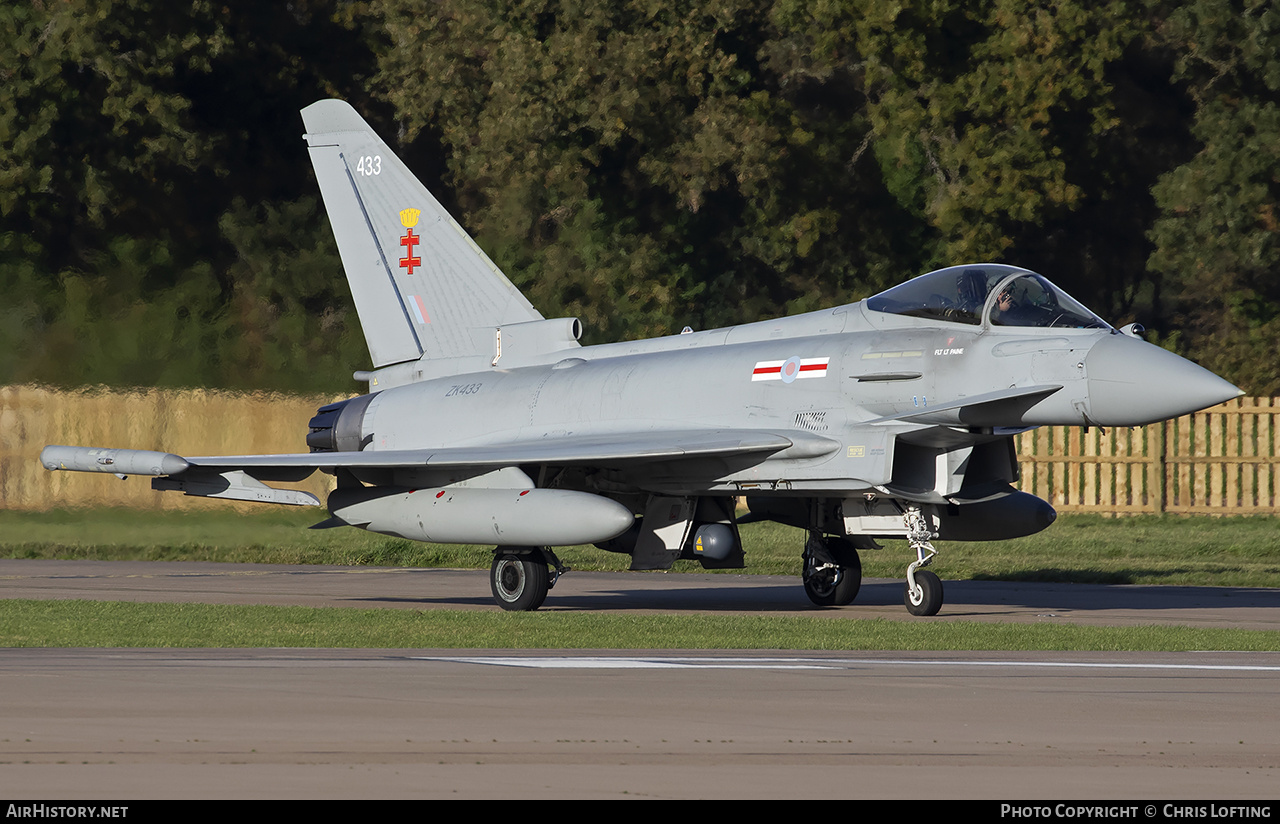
x: 115, y: 461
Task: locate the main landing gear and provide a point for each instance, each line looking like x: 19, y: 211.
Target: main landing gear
x: 832, y: 571
x: 520, y: 578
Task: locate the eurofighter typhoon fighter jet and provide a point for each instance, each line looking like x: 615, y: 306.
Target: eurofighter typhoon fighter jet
x: 487, y: 423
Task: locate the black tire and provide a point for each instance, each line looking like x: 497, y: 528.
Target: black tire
x: 824, y: 593
x: 519, y: 582
x: 927, y: 599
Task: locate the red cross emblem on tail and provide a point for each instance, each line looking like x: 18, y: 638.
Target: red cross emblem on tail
x: 409, y: 240
x: 409, y: 219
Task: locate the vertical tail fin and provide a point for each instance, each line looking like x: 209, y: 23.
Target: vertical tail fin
x: 421, y: 285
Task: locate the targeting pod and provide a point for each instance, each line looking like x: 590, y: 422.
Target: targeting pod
x: 714, y: 541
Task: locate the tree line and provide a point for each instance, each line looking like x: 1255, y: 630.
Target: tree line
x: 640, y: 164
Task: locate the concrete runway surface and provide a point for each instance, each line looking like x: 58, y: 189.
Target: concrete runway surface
x: 531, y: 724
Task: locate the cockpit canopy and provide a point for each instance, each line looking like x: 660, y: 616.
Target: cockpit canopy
x: 992, y: 293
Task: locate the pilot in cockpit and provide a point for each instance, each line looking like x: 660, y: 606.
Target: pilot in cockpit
x: 1004, y: 303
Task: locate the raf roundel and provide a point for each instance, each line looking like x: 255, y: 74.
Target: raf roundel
x: 790, y: 369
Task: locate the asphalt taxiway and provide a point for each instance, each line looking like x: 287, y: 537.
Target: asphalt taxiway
x: 653, y: 592
x: 591, y: 724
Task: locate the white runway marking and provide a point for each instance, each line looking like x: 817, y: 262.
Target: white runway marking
x: 637, y: 663
x: 657, y: 662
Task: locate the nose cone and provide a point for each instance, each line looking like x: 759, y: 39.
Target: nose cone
x: 1132, y: 383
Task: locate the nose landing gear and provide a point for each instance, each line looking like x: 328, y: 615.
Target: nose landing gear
x: 923, y: 592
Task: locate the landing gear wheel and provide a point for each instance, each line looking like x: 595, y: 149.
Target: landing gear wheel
x: 833, y: 585
x: 926, y: 597
x: 519, y: 582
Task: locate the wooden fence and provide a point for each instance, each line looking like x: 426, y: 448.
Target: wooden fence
x: 1222, y: 461
x: 186, y: 422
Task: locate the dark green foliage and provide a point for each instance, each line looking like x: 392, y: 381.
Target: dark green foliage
x: 638, y: 164
x: 1218, y: 236
x: 127, y: 131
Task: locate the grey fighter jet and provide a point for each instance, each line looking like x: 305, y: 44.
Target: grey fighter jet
x: 487, y: 423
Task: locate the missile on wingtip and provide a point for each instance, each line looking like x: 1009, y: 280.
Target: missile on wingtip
x: 463, y: 515
x: 115, y: 461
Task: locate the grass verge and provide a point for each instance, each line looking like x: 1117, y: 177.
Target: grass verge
x: 28, y: 623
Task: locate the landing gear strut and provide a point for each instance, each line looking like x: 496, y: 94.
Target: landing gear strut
x: 520, y: 579
x: 923, y: 592
x: 832, y: 571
